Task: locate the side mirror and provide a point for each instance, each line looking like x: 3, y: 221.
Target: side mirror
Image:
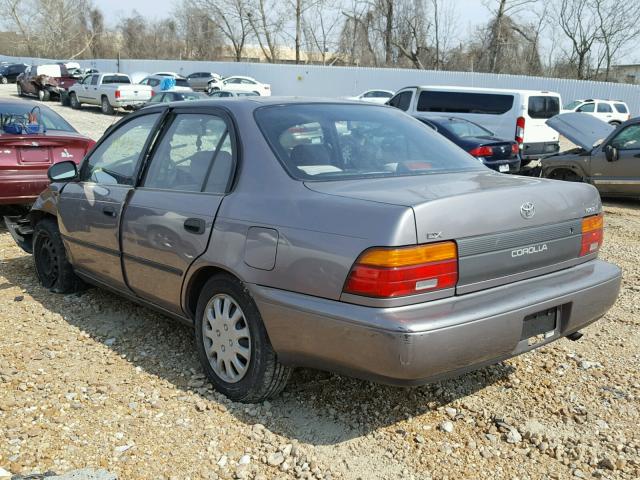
x: 62, y: 171
x: 611, y: 153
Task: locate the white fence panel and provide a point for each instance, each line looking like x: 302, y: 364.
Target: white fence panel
x: 324, y: 81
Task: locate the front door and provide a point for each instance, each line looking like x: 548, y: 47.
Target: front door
x: 90, y: 209
x: 621, y: 177
x: 168, y: 220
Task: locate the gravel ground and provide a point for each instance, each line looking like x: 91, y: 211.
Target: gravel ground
x: 94, y: 381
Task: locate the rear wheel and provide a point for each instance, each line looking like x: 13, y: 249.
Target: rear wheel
x: 43, y: 95
x: 565, y: 175
x: 19, y: 87
x: 106, y: 107
x: 4, y: 80
x: 233, y: 345
x: 52, y: 267
x: 73, y: 100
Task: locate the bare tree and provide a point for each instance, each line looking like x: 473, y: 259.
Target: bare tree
x: 231, y: 18
x: 320, y: 27
x: 267, y: 26
x: 15, y: 16
x: 580, y: 26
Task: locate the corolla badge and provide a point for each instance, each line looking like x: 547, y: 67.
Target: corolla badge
x: 527, y: 210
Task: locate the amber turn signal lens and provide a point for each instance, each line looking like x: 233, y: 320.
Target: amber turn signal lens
x: 592, y: 234
x: 407, y: 256
x: 595, y: 222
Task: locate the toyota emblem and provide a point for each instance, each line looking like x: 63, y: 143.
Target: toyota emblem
x: 527, y: 210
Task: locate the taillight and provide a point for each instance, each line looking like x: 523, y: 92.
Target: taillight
x: 520, y: 130
x: 592, y: 234
x: 481, y: 151
x: 515, y: 149
x: 117, y: 93
x: 395, y: 272
x: 152, y: 93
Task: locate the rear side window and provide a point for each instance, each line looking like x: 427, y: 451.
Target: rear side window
x: 604, y: 108
x: 464, y: 102
x: 621, y: 107
x: 401, y: 101
x: 543, y: 106
x: 194, y: 153
x: 182, y: 82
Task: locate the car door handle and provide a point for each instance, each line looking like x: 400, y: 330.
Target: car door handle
x: 109, y: 211
x: 194, y: 225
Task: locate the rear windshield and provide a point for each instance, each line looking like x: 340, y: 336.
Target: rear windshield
x: 572, y: 105
x: 621, y: 107
x: 544, y: 106
x: 334, y: 142
x: 107, y: 79
x: 464, y: 102
x: 462, y: 128
x: 15, y: 113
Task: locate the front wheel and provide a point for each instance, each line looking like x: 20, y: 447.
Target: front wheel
x: 43, y: 95
x: 106, y: 107
x: 73, y: 99
x: 565, y: 175
x: 52, y: 267
x: 614, y: 123
x: 19, y: 87
x: 233, y: 345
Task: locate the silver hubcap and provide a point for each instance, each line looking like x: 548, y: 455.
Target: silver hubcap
x: 227, y: 340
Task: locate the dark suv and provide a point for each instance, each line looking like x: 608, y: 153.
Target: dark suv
x: 9, y: 73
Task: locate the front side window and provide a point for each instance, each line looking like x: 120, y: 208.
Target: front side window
x: 335, y: 142
x: 116, y: 159
x: 402, y: 100
x: 604, y: 108
x: 465, y: 102
x: 587, y: 108
x: 94, y: 79
x: 188, y: 152
x: 628, y: 139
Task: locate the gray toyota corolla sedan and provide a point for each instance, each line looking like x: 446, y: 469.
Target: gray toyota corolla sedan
x: 333, y: 235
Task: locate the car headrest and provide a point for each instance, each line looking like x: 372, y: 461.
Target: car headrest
x: 310, y: 154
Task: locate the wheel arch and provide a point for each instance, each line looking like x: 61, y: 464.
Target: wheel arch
x: 194, y: 285
x: 549, y: 171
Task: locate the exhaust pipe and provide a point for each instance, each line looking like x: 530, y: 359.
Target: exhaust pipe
x: 575, y: 336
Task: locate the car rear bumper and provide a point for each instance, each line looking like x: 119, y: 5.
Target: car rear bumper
x: 532, y: 151
x: 420, y: 343
x: 513, y: 165
x: 20, y: 188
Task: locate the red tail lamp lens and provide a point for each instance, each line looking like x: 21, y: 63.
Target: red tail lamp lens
x: 395, y: 272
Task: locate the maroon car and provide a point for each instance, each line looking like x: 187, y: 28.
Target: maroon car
x: 25, y: 157
x: 47, y: 82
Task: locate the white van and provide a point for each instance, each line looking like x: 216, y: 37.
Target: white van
x: 509, y: 114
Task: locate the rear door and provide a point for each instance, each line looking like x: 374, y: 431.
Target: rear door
x: 604, y: 111
x: 621, y: 177
x: 168, y: 220
x: 89, y: 210
x: 540, y: 108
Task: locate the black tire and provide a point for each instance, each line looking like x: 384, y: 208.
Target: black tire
x: 65, y: 100
x: 44, y: 95
x: 4, y: 80
x: 106, y: 107
x: 265, y: 376
x: 565, y: 175
x: 52, y: 267
x: 615, y: 123
x: 211, y: 89
x: 73, y: 101
x: 19, y: 87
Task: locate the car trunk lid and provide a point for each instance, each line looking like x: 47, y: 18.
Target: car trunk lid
x: 28, y: 152
x: 507, y: 228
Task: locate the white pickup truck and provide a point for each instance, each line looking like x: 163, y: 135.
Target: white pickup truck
x: 110, y: 91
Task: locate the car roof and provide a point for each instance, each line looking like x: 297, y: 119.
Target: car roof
x: 254, y: 102
x: 8, y: 102
x: 240, y: 76
x: 457, y: 88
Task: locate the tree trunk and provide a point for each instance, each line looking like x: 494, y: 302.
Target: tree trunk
x: 388, y: 34
x: 298, y: 29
